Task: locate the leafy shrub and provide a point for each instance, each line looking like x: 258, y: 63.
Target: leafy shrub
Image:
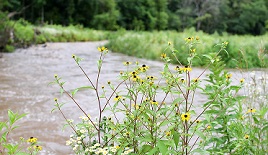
x: 159, y: 113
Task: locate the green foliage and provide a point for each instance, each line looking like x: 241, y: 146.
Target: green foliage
x: 9, y: 48
x: 243, y: 51
x: 160, y: 115
x: 7, y: 146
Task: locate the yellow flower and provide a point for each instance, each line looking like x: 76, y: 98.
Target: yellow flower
x: 185, y: 117
x: 208, y: 127
x: 109, y: 82
x: 195, y: 79
x: 168, y: 133
x: 151, y: 78
x: 228, y: 76
x: 186, y: 68
x: 101, y: 49
x: 189, y: 39
x: 169, y: 43
x: 197, y: 121
x: 117, y: 146
x: 177, y: 68
x: 135, y: 78
x: 117, y: 98
x: 154, y: 102
x: 242, y: 80
x: 182, y: 80
x: 251, y: 110
x: 73, y: 56
x: 38, y: 148
x: 163, y: 55
x: 32, y: 140
x: 127, y: 63
x: 144, y: 68
x: 197, y: 38
x: 246, y: 136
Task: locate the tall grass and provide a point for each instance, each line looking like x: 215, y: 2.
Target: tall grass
x: 243, y: 51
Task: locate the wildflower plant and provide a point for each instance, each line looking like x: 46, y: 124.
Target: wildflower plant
x: 21, y: 146
x: 151, y: 114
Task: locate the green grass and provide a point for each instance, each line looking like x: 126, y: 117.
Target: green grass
x: 26, y: 34
x: 242, y: 50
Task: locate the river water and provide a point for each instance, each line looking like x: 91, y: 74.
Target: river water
x: 26, y: 73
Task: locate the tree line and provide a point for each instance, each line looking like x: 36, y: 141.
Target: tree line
x: 232, y: 16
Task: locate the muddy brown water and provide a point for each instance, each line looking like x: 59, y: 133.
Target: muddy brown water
x: 26, y: 73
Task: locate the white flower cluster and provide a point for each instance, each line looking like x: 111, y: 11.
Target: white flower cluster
x: 84, y: 132
x: 97, y: 149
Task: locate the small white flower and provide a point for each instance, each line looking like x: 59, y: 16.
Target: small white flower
x: 97, y: 144
x: 83, y: 131
x: 68, y: 142
x: 78, y: 138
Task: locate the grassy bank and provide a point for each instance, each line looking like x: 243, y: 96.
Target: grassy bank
x: 243, y: 51
x: 23, y: 34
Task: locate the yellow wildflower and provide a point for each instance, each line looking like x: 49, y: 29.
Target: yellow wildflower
x: 168, y: 133
x: 101, y: 49
x: 38, y: 148
x: 228, y: 76
x: 154, y: 102
x: 186, y: 68
x: 208, y: 127
x: 163, y: 55
x: 195, y: 79
x: 144, y: 68
x: 246, y: 136
x: 169, y: 43
x: 197, y: 121
x: 251, y: 110
x: 185, y: 116
x: 117, y: 98
x: 127, y: 63
x: 242, y: 80
x: 32, y: 140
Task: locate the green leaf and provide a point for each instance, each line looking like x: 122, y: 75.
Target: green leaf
x: 146, y: 148
x: 99, y: 64
x: 12, y: 117
x: 176, y: 137
x: 265, y: 128
x: 80, y: 88
x: 162, y: 147
x: 153, y: 151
